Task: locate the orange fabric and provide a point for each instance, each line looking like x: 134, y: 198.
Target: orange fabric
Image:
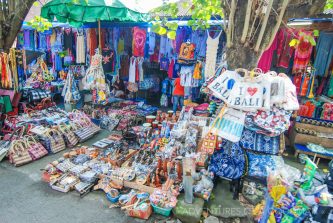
x: 178, y: 89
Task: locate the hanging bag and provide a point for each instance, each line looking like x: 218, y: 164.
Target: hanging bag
x: 260, y: 143
x: 229, y: 124
x: 229, y: 162
x: 247, y: 93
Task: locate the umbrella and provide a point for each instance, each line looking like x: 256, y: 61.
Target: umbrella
x: 78, y: 12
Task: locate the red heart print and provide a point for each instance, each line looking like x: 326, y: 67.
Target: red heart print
x: 252, y: 91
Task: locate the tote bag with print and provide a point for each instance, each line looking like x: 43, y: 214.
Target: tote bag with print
x: 246, y: 95
x: 222, y: 85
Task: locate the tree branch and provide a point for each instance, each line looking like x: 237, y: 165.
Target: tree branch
x: 231, y: 23
x: 279, y: 20
x: 263, y: 26
x: 247, y: 20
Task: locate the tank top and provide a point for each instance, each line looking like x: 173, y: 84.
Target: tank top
x: 131, y: 75
x: 80, y: 48
x: 211, y: 53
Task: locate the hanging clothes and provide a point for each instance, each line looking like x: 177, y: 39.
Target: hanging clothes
x: 266, y: 57
x: 164, y: 64
x: 303, y: 51
x: 92, y: 42
x: 6, y: 75
x: 139, y: 41
x: 170, y: 69
x: 180, y: 36
x: 284, y: 51
x: 80, y: 48
x: 20, y: 40
x: 107, y: 61
x: 131, y: 75
x: 197, y: 70
x: 199, y: 38
x: 186, y: 76
x: 324, y: 53
x: 68, y: 41
x: 211, y: 53
x: 140, y: 67
x: 151, y: 43
x: 124, y: 66
x: 186, y: 51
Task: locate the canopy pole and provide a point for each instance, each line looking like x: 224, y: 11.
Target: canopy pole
x: 99, y: 37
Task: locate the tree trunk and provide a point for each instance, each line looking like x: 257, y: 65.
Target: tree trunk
x: 11, y: 19
x: 243, y: 55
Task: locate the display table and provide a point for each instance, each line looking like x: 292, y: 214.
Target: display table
x: 302, y: 149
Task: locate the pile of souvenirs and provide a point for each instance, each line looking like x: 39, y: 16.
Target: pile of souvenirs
x: 151, y: 160
x: 49, y: 130
x: 295, y: 197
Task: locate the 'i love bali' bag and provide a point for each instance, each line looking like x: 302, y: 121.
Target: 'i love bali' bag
x: 229, y: 162
x: 223, y: 84
x: 18, y: 153
x: 36, y: 149
x: 260, y: 143
x: 247, y: 94
x: 229, y: 124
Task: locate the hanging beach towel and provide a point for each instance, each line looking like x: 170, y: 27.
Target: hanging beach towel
x: 229, y: 124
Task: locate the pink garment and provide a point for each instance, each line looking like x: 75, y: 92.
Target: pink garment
x: 265, y: 60
x: 170, y: 69
x: 284, y: 51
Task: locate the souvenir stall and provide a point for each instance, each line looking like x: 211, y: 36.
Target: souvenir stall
x: 304, y: 54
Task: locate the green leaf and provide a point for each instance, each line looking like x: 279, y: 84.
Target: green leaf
x: 162, y: 31
x: 36, y: 4
x: 293, y: 42
x: 171, y: 35
x: 185, y: 5
x: 316, y: 32
x: 157, y: 18
x: 312, y: 41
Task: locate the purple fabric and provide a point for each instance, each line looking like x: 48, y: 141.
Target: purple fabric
x: 180, y: 35
x: 26, y: 35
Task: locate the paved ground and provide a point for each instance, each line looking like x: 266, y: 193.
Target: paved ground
x: 25, y: 198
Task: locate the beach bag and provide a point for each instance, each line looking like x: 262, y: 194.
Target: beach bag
x: 36, y: 149
x: 83, y: 132
x: 290, y: 101
x: 18, y: 153
x: 247, y: 95
x: 70, y: 138
x: 271, y: 123
x: 208, y: 144
x: 53, y: 141
x: 229, y: 162
x: 223, y: 84
x: 260, y: 165
x: 229, y: 124
x: 253, y: 141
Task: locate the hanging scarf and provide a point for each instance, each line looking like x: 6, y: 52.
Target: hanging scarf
x: 12, y: 55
